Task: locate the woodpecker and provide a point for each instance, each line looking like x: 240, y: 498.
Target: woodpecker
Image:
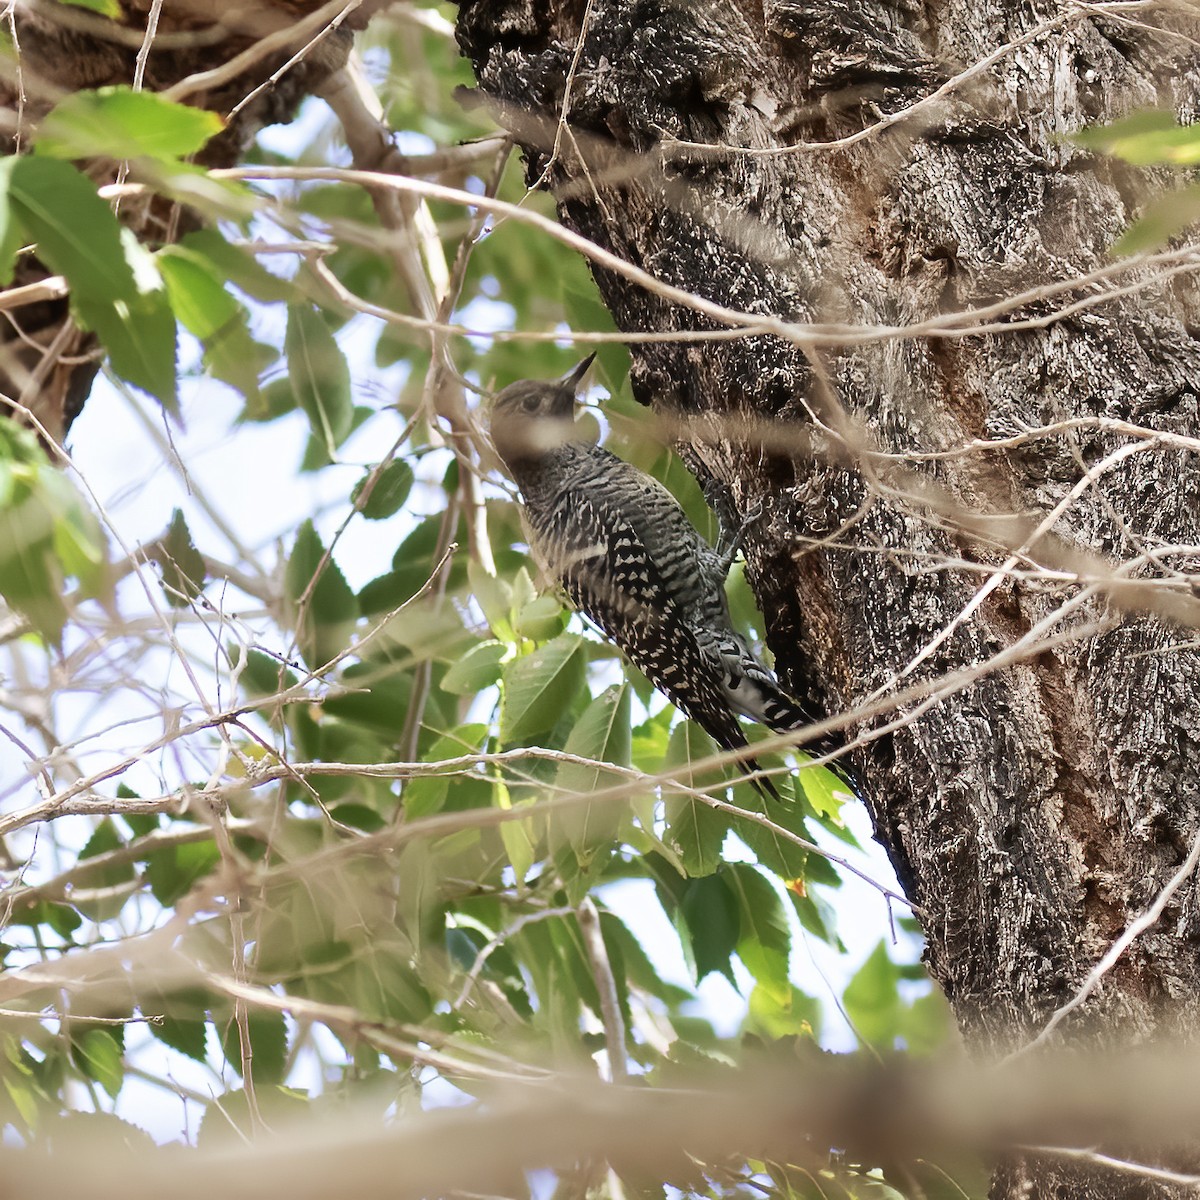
x: 625, y: 553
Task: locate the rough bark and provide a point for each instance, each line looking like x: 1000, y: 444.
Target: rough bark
x: 1033, y: 814
x: 47, y: 365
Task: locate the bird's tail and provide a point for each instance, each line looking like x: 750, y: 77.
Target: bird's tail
x: 771, y: 706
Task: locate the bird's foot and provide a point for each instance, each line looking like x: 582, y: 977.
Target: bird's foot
x: 730, y: 546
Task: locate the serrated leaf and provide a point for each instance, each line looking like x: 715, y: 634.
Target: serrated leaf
x: 320, y: 377
x: 182, y: 565
x: 76, y: 232
x: 517, y: 836
x: 139, y: 336
x: 61, y: 918
x: 709, y: 911
x: 46, y: 533
x: 772, y: 849
x: 187, y: 1037
x: 494, y: 597
x: 824, y: 791
x: 118, y: 122
x: 640, y: 969
x: 23, y: 1098
x: 765, y: 938
x: 104, y: 838
x: 816, y: 915
x: 539, y: 688
x: 115, y: 288
x: 268, y: 1045
x: 228, y: 1121
x: 586, y: 310
x: 479, y: 668
x: 388, y: 492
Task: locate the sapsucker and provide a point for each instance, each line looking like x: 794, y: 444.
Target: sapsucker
x: 627, y: 556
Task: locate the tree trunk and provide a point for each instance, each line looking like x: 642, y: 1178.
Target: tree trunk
x: 1038, y: 806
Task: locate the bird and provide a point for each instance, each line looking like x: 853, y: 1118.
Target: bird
x: 627, y: 556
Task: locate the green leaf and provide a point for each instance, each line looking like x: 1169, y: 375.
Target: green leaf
x: 46, y: 533
x: 426, y: 794
x: 521, y: 838
x: 116, y: 290
x: 772, y: 849
x: 76, y: 232
x: 586, y: 310
x: 824, y: 791
x: 228, y: 1121
x: 173, y: 870
x: 62, y: 919
x: 872, y: 1000
x: 330, y: 609
x: 1167, y: 216
x: 540, y: 619
x: 765, y: 938
x: 539, y: 688
x: 640, y: 969
x: 695, y: 831
x: 479, y: 668
x: 268, y: 1045
x: 106, y: 8
x: 198, y: 296
x: 118, y: 122
x: 816, y: 915
x: 99, y: 1056
x: 710, y: 914
x: 319, y: 376
x: 139, y: 335
x: 104, y: 838
x: 389, y: 492
x: 237, y: 265
x: 1145, y: 138
x: 11, y: 235
x: 495, y: 599
x: 602, y: 733
x: 187, y: 1037
x: 774, y: 1014
x: 183, y: 569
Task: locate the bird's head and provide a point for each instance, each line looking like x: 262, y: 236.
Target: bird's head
x: 534, y: 416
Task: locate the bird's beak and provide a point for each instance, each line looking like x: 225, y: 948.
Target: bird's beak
x: 573, y: 378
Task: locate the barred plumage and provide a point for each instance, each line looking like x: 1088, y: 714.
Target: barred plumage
x: 628, y: 557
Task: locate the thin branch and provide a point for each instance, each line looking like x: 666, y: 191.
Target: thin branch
x: 606, y: 987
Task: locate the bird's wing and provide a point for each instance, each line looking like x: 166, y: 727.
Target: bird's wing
x: 609, y: 575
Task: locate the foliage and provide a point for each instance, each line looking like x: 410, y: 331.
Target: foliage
x: 1152, y: 138
x: 347, y: 807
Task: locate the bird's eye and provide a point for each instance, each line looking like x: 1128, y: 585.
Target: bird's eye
x: 530, y: 404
